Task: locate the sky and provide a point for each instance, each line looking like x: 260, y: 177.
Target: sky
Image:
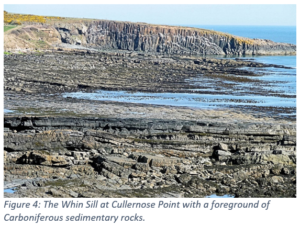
x: 255, y: 15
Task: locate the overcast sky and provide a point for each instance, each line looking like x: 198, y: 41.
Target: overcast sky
x: 275, y: 15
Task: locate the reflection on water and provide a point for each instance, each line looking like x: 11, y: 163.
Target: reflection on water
x: 281, y: 80
x: 9, y: 190
x: 185, y: 99
x: 216, y: 196
x: 275, y: 87
x: 8, y: 111
x: 275, y: 81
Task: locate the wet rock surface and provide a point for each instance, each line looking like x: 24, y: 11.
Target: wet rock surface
x: 65, y: 72
x: 33, y: 79
x: 66, y: 147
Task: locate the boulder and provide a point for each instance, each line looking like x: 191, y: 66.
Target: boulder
x: 223, y: 146
x: 125, y: 162
x: 184, y: 178
x: 158, y: 161
x: 43, y: 158
x: 222, y: 153
x: 144, y: 167
x: 277, y: 179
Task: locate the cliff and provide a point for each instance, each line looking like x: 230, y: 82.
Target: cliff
x: 103, y: 34
x: 165, y: 39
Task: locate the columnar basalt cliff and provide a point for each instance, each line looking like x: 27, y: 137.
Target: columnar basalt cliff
x: 161, y: 39
x: 165, y: 39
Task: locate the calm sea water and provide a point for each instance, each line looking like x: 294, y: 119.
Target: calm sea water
x: 285, y: 34
x: 275, y: 33
x: 280, y: 80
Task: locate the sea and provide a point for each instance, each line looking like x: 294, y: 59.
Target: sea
x: 283, y: 81
x: 285, y: 34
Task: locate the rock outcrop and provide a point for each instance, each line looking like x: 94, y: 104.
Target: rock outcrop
x: 218, y: 139
x: 160, y: 39
x: 85, y: 156
x: 165, y: 39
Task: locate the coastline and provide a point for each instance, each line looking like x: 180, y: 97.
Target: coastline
x: 58, y: 144
x: 89, y: 148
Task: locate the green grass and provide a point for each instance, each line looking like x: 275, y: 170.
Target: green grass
x: 8, y: 27
x: 7, y: 53
x: 40, y: 44
x: 65, y: 183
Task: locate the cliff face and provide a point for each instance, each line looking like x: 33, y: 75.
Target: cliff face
x: 165, y: 39
x: 142, y: 37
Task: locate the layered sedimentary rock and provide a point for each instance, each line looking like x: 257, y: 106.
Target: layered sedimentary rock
x: 48, y: 133
x: 165, y: 158
x: 43, y: 133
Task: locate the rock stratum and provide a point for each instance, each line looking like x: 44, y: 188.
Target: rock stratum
x: 111, y: 157
x: 160, y: 39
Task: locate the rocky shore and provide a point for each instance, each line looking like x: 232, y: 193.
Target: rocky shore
x: 51, y: 74
x: 97, y: 157
x: 57, y: 146
x: 79, y: 70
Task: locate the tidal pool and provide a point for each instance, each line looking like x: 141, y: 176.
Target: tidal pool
x: 194, y: 100
x: 9, y: 190
x: 216, y: 196
x: 8, y: 111
x: 273, y: 88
